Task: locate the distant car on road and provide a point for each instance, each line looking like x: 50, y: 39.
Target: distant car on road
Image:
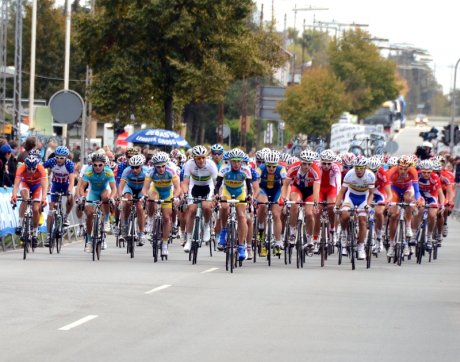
x: 421, y: 120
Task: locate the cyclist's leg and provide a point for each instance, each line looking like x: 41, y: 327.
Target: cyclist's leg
x: 125, y: 210
x: 276, y: 211
x: 166, y: 211
x: 262, y: 209
x: 295, y: 196
x: 36, y: 206
x: 331, y: 196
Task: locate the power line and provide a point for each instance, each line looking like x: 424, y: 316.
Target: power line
x: 54, y: 78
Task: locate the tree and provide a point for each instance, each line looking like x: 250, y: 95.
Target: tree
x: 312, y: 106
x: 369, y: 78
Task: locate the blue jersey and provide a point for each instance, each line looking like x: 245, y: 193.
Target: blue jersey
x: 121, y: 167
x: 254, y: 174
x: 98, y: 181
x: 133, y: 181
x: 163, y: 183
x: 60, y: 173
x: 235, y: 181
x: 271, y: 182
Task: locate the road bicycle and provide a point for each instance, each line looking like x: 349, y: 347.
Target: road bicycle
x: 198, y: 229
x: 157, y: 230
x: 26, y: 228
x: 400, y: 235
x: 132, y: 234
x: 57, y: 227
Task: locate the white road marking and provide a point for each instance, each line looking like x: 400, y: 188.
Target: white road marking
x: 77, y: 323
x: 209, y: 270
x: 158, y: 288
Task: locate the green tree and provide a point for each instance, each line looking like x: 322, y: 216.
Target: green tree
x: 369, y: 78
x: 312, y: 106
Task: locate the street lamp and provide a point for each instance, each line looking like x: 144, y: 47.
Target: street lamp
x: 452, y: 120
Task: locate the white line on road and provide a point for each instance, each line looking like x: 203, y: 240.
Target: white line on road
x: 209, y: 270
x: 158, y: 288
x: 77, y: 323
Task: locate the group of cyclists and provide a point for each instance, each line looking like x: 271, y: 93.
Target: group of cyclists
x: 338, y: 182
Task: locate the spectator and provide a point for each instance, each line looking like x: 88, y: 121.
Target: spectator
x: 13, y: 162
x: 5, y: 155
x: 457, y: 170
x: 52, y: 144
x: 30, y: 143
x: 76, y: 151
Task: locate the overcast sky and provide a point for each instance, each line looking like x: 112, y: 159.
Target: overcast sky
x: 432, y: 26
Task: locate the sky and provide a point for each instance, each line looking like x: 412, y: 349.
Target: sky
x: 433, y: 26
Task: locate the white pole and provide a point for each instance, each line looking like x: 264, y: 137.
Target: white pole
x: 67, y: 44
x: 32, y: 64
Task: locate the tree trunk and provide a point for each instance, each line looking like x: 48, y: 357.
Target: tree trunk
x: 169, y: 115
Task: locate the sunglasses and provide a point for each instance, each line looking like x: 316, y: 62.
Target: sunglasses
x: 425, y: 171
x: 60, y: 158
x: 160, y: 166
x: 306, y: 163
x: 272, y: 166
x: 98, y: 164
x: 360, y: 167
x: 135, y: 167
x: 326, y: 163
x: 403, y: 167
x: 216, y: 153
x: 200, y: 158
x: 236, y: 160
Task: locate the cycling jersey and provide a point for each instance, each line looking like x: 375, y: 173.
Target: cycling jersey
x: 120, y: 168
x: 358, y: 189
x: 401, y: 183
x: 204, y: 176
x: 429, y: 188
x: 60, y: 173
x: 331, y: 177
x: 163, y: 183
x: 447, y: 178
x: 271, y: 181
x: 234, y: 181
x: 302, y: 179
x: 31, y: 181
x: 97, y: 181
x: 132, y: 180
x: 381, y: 182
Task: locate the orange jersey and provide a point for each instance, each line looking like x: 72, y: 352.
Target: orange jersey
x: 31, y: 179
x: 402, y: 181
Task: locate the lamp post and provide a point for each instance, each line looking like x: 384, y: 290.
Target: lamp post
x: 452, y: 120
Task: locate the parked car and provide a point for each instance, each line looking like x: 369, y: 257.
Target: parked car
x: 421, y: 120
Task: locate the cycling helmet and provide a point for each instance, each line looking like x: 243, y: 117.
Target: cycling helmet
x: 308, y: 156
x: 236, y: 154
x: 199, y: 151
x: 260, y: 156
x: 272, y: 157
x: 436, y: 166
x: 113, y: 165
x: 348, y: 158
x: 426, y: 165
x: 165, y: 155
x: 131, y: 151
x: 293, y: 159
x: 246, y: 158
x: 327, y: 155
x: 266, y: 149
x: 405, y: 161
x: 284, y: 157
x: 174, y: 153
x: 31, y: 161
x: 121, y: 159
x: 374, y: 163
x: 338, y: 159
x: 440, y: 159
x: 414, y: 159
x: 137, y: 160
x: 34, y: 152
x: 392, y: 161
x: 183, y: 158
x: 61, y: 151
x: 360, y: 162
x: 217, y: 149
x: 225, y: 156
x: 159, y: 157
x: 98, y: 157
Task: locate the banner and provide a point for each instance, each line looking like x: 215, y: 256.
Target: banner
x: 342, y: 134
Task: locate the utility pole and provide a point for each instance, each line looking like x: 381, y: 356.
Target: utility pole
x: 3, y: 51
x: 17, y: 92
x: 33, y: 44
x: 258, y: 91
x: 68, y: 22
x: 453, y: 112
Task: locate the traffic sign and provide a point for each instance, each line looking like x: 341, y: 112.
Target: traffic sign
x: 66, y: 106
x: 391, y: 147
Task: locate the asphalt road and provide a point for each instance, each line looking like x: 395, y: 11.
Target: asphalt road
x: 175, y: 311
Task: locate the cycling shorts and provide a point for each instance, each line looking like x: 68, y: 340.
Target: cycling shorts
x: 135, y: 192
x: 165, y: 196
x: 306, y: 193
x: 327, y: 193
x: 273, y: 195
x: 398, y: 194
x: 201, y: 191
x: 351, y: 199
x: 35, y: 189
x: 430, y: 200
x: 379, y: 197
x: 58, y: 187
x: 241, y: 197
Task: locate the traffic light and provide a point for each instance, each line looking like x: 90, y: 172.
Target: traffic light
x: 430, y: 135
x: 456, y: 135
x: 446, y: 135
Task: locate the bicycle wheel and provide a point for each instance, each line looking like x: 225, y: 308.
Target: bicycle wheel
x: 52, y: 236
x: 400, y: 246
x: 59, y: 235
x: 269, y: 242
x: 255, y: 240
x: 95, y: 236
x: 195, y: 239
x: 370, y: 235
x: 299, y: 245
x: 25, y: 237
x: 322, y: 242
x: 351, y: 231
x: 156, y: 237
x: 232, y: 247
x: 421, y: 243
x: 286, y: 244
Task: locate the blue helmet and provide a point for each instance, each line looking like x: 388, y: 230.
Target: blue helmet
x: 62, y: 151
x: 217, y: 149
x: 31, y: 161
x: 226, y: 157
x: 246, y: 158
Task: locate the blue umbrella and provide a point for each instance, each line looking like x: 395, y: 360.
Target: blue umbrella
x: 158, y: 137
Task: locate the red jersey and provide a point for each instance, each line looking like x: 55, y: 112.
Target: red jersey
x: 301, y: 179
x: 447, y: 178
x: 381, y: 179
x: 331, y: 177
x: 429, y: 186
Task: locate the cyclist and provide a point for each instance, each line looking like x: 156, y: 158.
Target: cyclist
x: 217, y: 151
x: 348, y: 160
x: 302, y: 184
x: 357, y: 190
x: 448, y: 187
x: 382, y: 192
x: 63, y: 181
x: 271, y: 177
x: 404, y: 188
x: 98, y: 176
x: 30, y: 178
x: 431, y: 191
x: 234, y: 177
x: 162, y: 183
x: 130, y: 188
x: 200, y: 174
x: 330, y: 185
x: 255, y: 193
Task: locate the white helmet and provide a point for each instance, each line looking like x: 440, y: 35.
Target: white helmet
x: 436, y: 166
x: 137, y: 160
x: 426, y: 165
x: 327, y: 155
x: 392, y: 161
x: 199, y: 151
x: 308, y: 156
x: 165, y: 154
x: 260, y: 156
x: 374, y: 163
x: 272, y: 157
x: 159, y: 157
x: 361, y: 161
x: 348, y: 158
x: 236, y: 154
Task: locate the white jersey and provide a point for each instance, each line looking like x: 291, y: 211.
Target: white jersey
x: 205, y: 176
x: 359, y: 185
